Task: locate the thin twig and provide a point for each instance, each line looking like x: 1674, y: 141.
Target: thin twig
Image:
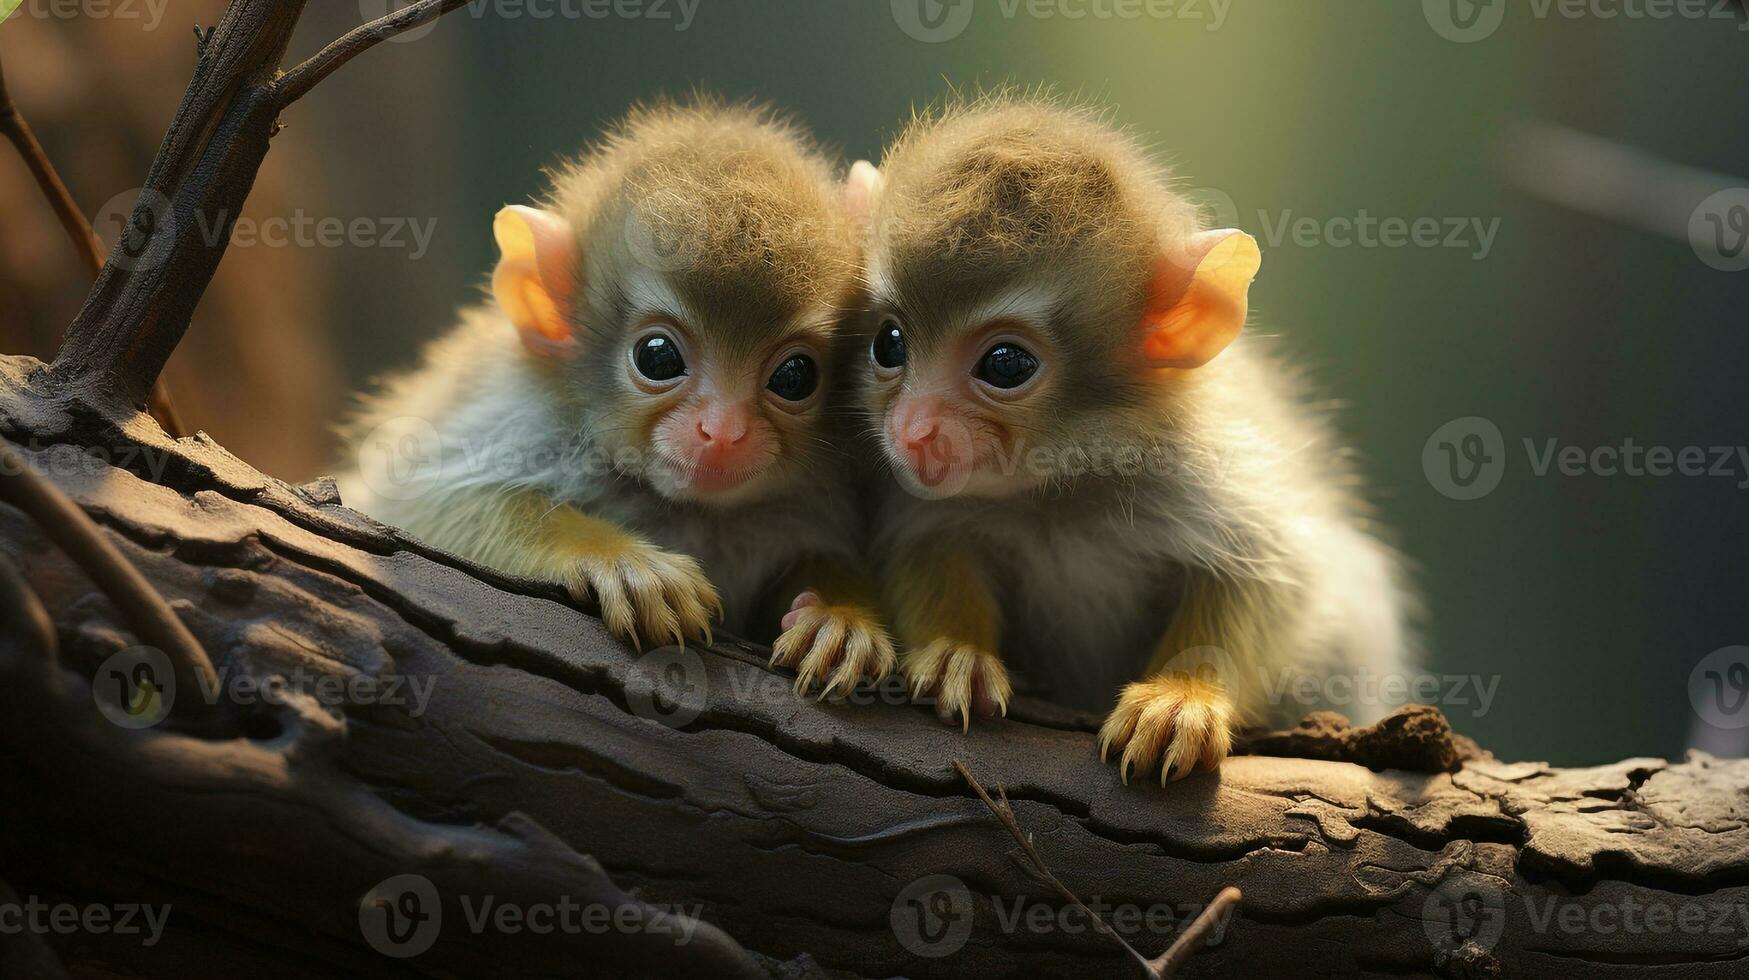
x: 75, y: 533
x: 1197, y: 933
x: 1162, y: 967
x: 79, y: 230
x: 1005, y: 814
x: 296, y: 83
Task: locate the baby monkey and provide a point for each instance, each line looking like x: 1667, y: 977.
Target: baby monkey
x: 641, y: 412
x: 1099, y: 480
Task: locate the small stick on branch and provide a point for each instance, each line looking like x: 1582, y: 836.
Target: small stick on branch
x: 73, y: 531
x: 83, y: 236
x: 296, y: 83
x: 1163, y: 967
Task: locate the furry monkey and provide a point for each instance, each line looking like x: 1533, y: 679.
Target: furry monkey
x: 642, y: 410
x: 1098, y: 479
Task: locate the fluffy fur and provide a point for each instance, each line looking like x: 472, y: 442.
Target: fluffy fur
x: 534, y: 465
x: 1122, y: 519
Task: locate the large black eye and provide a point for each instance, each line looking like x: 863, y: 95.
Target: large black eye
x: 1007, y: 366
x: 658, y: 358
x: 795, y: 379
x: 889, y: 345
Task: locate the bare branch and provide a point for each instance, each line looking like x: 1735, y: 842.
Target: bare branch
x: 1005, y: 814
x: 1197, y: 933
x: 79, y: 230
x: 296, y: 83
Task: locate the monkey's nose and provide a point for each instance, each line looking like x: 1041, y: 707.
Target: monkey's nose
x: 722, y: 428
x: 919, y: 433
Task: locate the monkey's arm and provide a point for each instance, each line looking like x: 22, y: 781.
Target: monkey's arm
x: 645, y: 594
x: 1181, y: 716
x: 832, y: 633
x: 946, y: 618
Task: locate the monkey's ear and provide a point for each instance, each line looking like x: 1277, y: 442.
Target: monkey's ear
x: 1197, y: 298
x: 537, y: 277
x: 862, y: 190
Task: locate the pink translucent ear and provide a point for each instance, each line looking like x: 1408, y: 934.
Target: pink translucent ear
x: 1197, y: 298
x: 862, y: 191
x: 537, y: 278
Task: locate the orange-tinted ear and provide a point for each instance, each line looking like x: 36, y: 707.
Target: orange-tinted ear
x: 536, y: 277
x: 1197, y: 298
x: 862, y: 190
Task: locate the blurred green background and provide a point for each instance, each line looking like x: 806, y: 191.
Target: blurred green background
x: 1587, y: 318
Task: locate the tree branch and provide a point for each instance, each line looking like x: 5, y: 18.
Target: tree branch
x: 296, y: 83
x: 79, y: 230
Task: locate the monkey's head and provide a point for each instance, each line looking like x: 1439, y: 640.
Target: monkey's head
x: 683, y: 283
x: 1035, y: 289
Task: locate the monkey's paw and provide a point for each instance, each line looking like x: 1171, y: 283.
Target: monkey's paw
x: 836, y: 645
x: 964, y: 680
x: 1178, y: 722
x: 648, y: 594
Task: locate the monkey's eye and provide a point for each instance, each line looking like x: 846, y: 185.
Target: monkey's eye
x: 795, y: 379
x: 658, y: 358
x: 1007, y: 366
x: 889, y: 345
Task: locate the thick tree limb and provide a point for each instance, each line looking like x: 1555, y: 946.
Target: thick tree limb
x: 799, y: 829
x: 79, y: 231
x: 194, y: 193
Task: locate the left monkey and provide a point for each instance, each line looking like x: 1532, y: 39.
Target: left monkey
x: 645, y: 411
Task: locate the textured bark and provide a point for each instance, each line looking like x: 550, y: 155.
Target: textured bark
x: 551, y: 760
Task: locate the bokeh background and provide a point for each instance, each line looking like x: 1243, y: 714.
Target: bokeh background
x: 1584, y: 302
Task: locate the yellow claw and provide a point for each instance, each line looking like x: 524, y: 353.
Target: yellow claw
x: 1175, y: 721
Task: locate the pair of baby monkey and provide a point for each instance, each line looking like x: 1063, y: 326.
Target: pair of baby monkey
x: 1002, y: 370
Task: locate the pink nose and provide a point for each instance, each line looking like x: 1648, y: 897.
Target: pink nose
x: 722, y: 426
x: 915, y: 423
